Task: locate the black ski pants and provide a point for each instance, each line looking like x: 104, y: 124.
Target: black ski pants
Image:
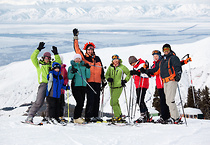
x: 164, y: 109
x: 62, y: 105
x: 79, y: 95
x: 53, y: 107
x: 141, y: 103
x: 93, y: 100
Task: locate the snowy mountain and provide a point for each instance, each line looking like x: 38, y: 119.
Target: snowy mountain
x: 94, y: 11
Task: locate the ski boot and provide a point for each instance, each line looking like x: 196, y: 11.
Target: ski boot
x: 29, y: 120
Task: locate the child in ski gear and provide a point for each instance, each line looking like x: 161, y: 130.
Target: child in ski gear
x: 169, y: 68
x: 115, y: 77
x: 141, y: 81
x: 53, y: 92
x: 77, y: 72
x: 62, y: 98
x: 96, y: 78
x: 43, y: 66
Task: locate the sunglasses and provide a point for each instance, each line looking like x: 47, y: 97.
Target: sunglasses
x: 90, y: 47
x: 47, y: 57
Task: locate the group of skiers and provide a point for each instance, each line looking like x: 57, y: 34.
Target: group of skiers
x: 88, y: 79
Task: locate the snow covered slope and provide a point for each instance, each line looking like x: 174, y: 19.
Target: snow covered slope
x: 19, y: 79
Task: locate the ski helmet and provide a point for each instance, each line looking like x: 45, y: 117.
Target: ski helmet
x: 90, y: 45
x: 132, y: 59
x: 166, y: 47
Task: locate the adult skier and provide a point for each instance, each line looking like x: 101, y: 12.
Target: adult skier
x: 43, y: 66
x: 117, y: 75
x: 141, y: 81
x: 96, y: 78
x: 169, y: 68
x: 78, y: 72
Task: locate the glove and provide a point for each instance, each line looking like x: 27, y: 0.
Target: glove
x: 87, y: 65
x: 142, y: 70
x: 74, y: 70
x: 146, y: 65
x: 60, y: 77
x: 103, y: 84
x: 110, y: 80
x: 67, y: 87
x: 187, y: 60
x: 55, y: 50
x: 178, y: 77
x: 75, y: 32
x: 134, y: 72
x: 123, y: 82
x: 41, y: 46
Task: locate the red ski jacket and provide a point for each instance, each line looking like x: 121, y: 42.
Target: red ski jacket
x: 159, y: 81
x: 143, y: 80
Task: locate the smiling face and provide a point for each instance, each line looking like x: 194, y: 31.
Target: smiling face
x: 155, y: 57
x: 77, y: 60
x: 90, y: 50
x: 116, y: 62
x: 47, y: 59
x: 166, y: 52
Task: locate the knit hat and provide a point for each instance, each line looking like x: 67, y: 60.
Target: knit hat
x: 115, y: 56
x: 132, y: 59
x: 47, y: 54
x: 166, y: 47
x: 77, y: 56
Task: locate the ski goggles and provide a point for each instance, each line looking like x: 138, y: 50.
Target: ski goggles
x: 156, y: 52
x: 47, y: 57
x: 56, y: 66
x: 115, y: 57
x: 166, y: 49
x: 90, y: 47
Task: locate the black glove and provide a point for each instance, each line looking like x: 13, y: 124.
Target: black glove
x: 178, y: 77
x: 142, y: 70
x: 134, y: 72
x: 87, y: 65
x: 110, y: 80
x: 60, y: 77
x: 75, y: 32
x: 55, y: 50
x: 147, y: 64
x: 123, y: 82
x: 74, y: 70
x: 41, y: 46
x: 67, y: 87
x: 103, y: 84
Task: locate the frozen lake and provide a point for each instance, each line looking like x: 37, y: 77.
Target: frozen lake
x: 18, y: 41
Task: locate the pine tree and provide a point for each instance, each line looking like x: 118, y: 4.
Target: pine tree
x: 156, y: 100
x: 190, y: 99
x: 205, y: 103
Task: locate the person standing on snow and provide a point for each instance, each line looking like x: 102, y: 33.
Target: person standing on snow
x: 170, y: 70
x: 78, y: 72
x: 96, y: 78
x: 164, y: 110
x: 141, y: 81
x: 53, y: 92
x: 115, y: 77
x: 62, y: 97
x: 43, y: 66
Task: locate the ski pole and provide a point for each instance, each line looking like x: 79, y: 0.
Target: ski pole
x: 126, y: 102
x: 182, y: 104
x: 68, y: 95
x: 129, y: 114
x: 102, y: 104
x: 87, y: 83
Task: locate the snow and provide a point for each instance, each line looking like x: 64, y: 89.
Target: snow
x: 192, y: 111
x: 123, y: 27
